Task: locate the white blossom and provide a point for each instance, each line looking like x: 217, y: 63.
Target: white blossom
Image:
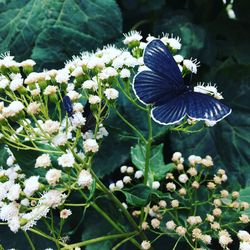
x: 66, y: 160
x: 85, y: 179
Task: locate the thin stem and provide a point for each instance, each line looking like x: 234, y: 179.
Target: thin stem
x: 99, y: 239
x: 123, y: 242
x: 176, y: 243
x: 29, y: 240
x: 131, y: 126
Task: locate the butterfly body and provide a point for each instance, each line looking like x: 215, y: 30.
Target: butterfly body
x: 163, y: 86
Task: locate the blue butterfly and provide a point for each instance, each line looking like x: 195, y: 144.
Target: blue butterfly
x: 67, y: 105
x: 162, y: 86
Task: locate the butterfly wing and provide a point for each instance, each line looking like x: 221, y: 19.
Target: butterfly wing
x: 159, y: 59
x: 67, y: 105
x: 204, y: 107
x: 153, y: 88
x: 163, y: 81
x: 171, y: 112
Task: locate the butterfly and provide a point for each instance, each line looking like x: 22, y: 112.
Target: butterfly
x: 163, y: 86
x: 87, y: 113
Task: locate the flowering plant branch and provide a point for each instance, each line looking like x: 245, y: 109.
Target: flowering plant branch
x: 57, y: 117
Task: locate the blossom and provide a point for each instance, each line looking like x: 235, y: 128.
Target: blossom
x: 31, y: 185
x: 53, y: 176
x: 90, y: 145
x: 65, y: 213
x: 43, y: 161
x: 51, y: 127
x: 244, y: 245
x: 208, y: 90
x: 170, y: 225
x: 66, y: 160
x: 155, y: 223
x: 90, y: 84
x: 194, y: 220
x: 52, y: 198
x: 183, y: 178
x: 107, y: 73
x: 146, y: 245
x: 14, y: 108
x: 60, y: 139
x: 181, y: 230
x: 85, y: 179
x: 62, y: 76
x: 119, y: 184
x: 132, y: 36
x: 50, y: 90
x: 94, y: 99
x: 78, y: 120
x: 191, y: 65
x: 111, y: 94
x: 34, y: 108
x: 125, y: 73
x: 243, y: 235
x: 156, y: 184
x: 224, y: 238
x: 138, y: 174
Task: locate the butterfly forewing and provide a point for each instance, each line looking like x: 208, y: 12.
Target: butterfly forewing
x: 159, y: 59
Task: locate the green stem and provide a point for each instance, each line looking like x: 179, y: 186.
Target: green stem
x: 29, y: 240
x: 131, y: 126
x: 99, y: 239
x: 176, y: 243
x: 123, y: 241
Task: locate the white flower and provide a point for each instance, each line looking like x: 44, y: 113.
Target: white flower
x: 127, y: 179
x: 208, y: 90
x: 183, y: 178
x: 123, y: 169
x: 138, y: 174
x: 14, y: 224
x: 244, y: 245
x: 60, y: 139
x: 155, y: 184
x: 14, y: 108
x: 94, y: 99
x: 243, y: 235
x: 28, y: 63
x: 107, y: 73
x: 172, y: 42
x: 62, y: 76
x: 111, y: 93
x: 170, y: 225
x: 10, y: 160
x: 101, y: 133
x: 73, y: 95
x: 16, y: 83
x: 125, y: 73
x: 77, y: 72
x: 50, y: 90
x: 132, y: 36
x: 51, y: 127
x: 8, y: 211
x: 90, y: 84
x: 53, y: 198
x: 95, y: 62
x: 14, y: 192
x: 90, y: 145
x: 33, y: 108
x: 191, y: 65
x: 178, y: 58
x: 85, y: 179
x: 78, y: 120
x: 43, y: 161
x: 65, y: 213
x: 4, y: 82
x: 111, y: 186
x: 31, y: 185
x: 53, y: 176
x: 193, y: 220
x: 66, y: 160
x: 119, y: 184
x: 77, y: 107
x: 224, y: 238
x: 176, y: 156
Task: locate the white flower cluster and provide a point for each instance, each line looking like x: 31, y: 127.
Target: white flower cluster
x: 17, y: 205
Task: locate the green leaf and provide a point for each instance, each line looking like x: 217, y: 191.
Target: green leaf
x: 228, y: 141
x: 157, y: 167
x: 52, y: 31
x: 245, y: 196
x: 138, y: 195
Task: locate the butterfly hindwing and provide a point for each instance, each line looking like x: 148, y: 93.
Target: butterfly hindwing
x: 204, y: 107
x: 159, y: 59
x: 171, y: 112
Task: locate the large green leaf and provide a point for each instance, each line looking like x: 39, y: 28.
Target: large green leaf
x: 228, y: 142
x: 245, y: 196
x: 138, y: 195
x: 52, y: 31
x: 157, y: 167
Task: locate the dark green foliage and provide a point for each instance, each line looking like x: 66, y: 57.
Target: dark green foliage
x: 51, y: 31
